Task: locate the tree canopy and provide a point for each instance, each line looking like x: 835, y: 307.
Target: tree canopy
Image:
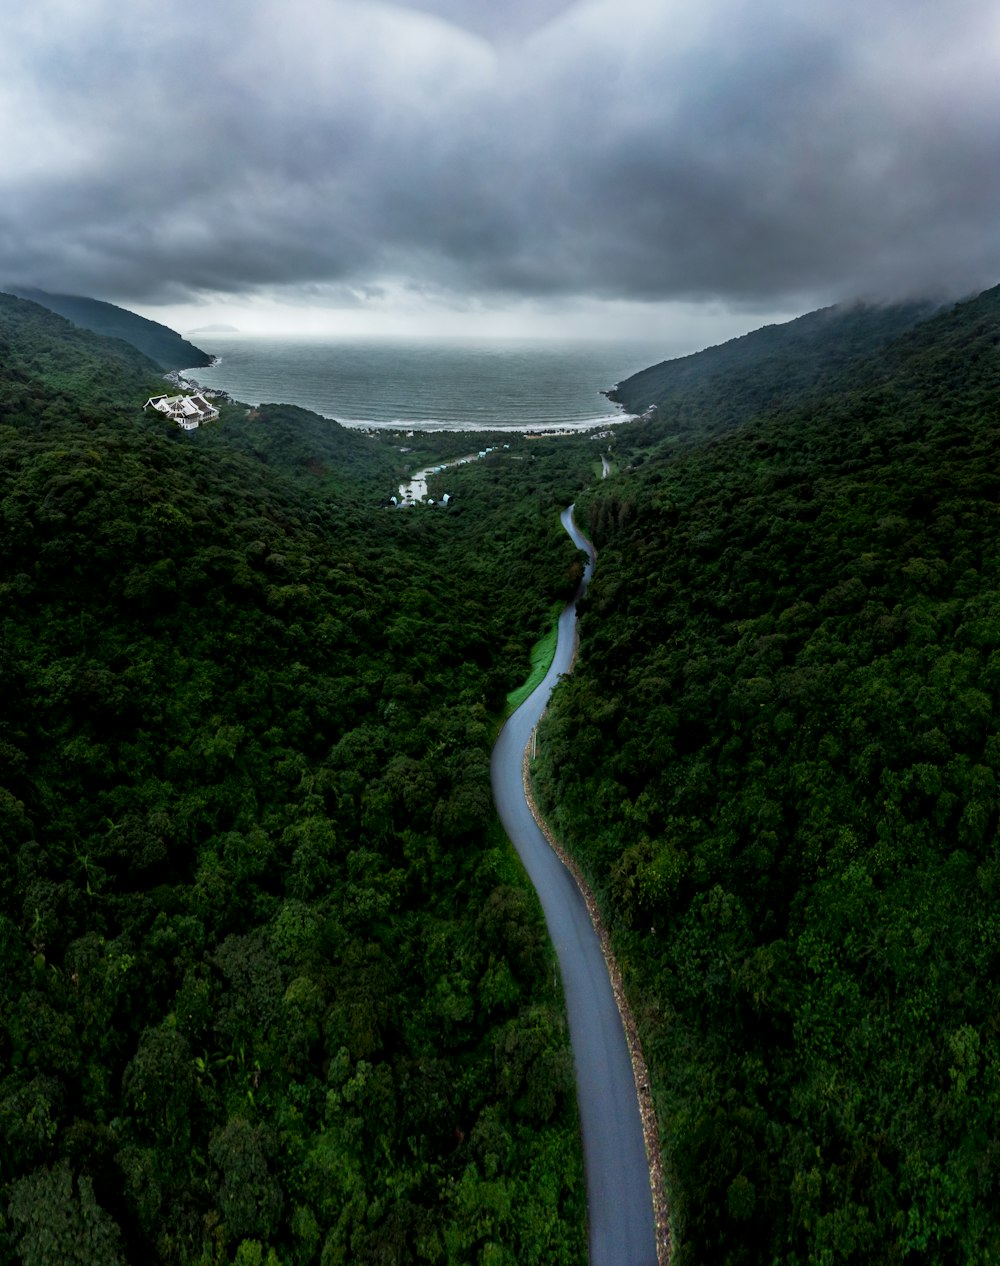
x: 777, y: 762
x: 275, y: 989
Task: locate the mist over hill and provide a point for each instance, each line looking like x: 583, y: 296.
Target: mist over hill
x: 768, y: 369
x: 777, y: 761
x: 164, y: 346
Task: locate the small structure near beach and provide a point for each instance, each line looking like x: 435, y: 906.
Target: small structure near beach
x: 187, y: 411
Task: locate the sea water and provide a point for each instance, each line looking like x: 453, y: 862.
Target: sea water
x: 431, y: 384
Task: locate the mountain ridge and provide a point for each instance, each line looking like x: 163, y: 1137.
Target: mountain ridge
x: 160, y: 343
x: 777, y: 762
x: 721, y: 387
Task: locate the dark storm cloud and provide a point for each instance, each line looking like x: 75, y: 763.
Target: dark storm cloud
x: 645, y: 150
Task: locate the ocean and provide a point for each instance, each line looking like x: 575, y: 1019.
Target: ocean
x: 430, y: 384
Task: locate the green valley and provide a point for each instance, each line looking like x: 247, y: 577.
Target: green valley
x: 277, y: 989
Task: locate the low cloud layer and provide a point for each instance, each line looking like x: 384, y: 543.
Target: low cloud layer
x: 766, y: 155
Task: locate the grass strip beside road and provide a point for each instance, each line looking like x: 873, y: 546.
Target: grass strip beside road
x: 541, y: 658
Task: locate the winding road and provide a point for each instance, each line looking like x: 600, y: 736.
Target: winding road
x: 620, y: 1206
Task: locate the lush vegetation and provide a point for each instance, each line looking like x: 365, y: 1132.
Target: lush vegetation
x: 721, y: 388
x: 163, y: 346
x: 48, y: 365
x: 777, y: 760
x: 542, y: 655
x: 275, y: 989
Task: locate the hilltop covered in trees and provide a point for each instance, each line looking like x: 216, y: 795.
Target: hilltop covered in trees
x: 777, y: 761
x: 720, y: 388
x: 162, y: 345
x: 274, y: 988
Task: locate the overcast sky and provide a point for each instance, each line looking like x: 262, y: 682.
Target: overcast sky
x: 674, y: 167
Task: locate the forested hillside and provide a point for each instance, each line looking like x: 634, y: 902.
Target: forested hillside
x: 47, y: 365
x: 716, y: 390
x: 158, y: 342
x: 275, y: 989
x: 777, y: 762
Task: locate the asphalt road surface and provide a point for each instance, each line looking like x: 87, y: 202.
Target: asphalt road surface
x: 620, y: 1206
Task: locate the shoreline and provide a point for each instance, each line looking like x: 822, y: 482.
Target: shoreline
x: 431, y: 426
x: 552, y: 393
x: 182, y: 380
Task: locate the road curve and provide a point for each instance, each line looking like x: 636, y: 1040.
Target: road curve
x: 620, y: 1206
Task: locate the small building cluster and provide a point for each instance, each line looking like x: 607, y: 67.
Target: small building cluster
x: 187, y: 411
x: 410, y: 501
x: 414, y: 491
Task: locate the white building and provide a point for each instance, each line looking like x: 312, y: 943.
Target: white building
x: 187, y: 411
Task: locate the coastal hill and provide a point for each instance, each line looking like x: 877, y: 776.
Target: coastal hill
x: 720, y: 388
x: 778, y: 761
x: 47, y: 357
x: 275, y: 989
x: 161, y: 344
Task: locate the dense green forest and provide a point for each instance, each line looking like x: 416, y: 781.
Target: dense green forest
x: 275, y: 987
x: 777, y: 761
x: 772, y: 368
x: 162, y: 345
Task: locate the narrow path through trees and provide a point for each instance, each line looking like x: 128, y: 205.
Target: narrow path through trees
x: 620, y: 1207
